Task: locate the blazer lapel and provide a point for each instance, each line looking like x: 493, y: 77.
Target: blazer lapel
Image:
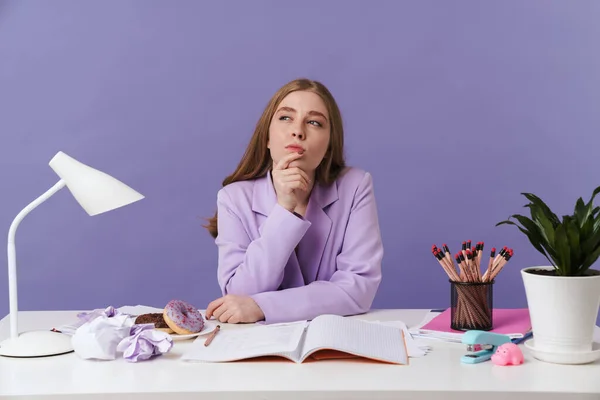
x: 264, y: 199
x: 313, y: 244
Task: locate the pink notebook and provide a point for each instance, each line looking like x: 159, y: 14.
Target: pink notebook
x: 514, y: 322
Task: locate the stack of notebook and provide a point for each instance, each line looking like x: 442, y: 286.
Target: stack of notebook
x: 513, y: 322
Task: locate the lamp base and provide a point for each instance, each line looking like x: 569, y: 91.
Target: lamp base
x: 36, y: 344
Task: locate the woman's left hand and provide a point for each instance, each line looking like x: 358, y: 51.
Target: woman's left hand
x: 234, y: 309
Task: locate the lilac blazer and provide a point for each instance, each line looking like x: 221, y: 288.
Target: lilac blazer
x: 336, y: 268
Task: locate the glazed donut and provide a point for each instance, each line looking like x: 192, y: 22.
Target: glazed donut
x: 183, y: 318
x: 154, y: 318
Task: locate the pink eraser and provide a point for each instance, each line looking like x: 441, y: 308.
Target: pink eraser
x: 508, y: 354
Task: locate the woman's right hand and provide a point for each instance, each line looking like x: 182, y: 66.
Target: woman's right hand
x: 287, y: 181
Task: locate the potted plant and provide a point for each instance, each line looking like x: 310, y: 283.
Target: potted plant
x: 564, y: 297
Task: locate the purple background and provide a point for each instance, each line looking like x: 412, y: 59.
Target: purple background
x: 454, y: 107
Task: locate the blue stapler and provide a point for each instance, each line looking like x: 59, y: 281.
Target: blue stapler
x: 481, y: 345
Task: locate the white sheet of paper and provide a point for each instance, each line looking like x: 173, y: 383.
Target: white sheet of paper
x: 414, y: 348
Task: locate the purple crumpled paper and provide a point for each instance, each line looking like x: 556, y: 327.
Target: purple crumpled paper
x: 144, y: 342
x: 84, y: 317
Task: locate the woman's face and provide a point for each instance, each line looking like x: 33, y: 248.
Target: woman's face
x: 300, y: 124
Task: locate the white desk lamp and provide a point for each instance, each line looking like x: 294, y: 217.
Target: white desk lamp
x: 96, y: 192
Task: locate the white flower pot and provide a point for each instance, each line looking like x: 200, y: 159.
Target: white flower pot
x: 563, y: 311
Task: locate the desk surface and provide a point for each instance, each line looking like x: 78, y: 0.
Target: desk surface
x: 438, y: 375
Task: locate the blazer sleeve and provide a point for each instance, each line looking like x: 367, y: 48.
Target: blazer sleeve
x: 353, y: 286
x: 245, y: 266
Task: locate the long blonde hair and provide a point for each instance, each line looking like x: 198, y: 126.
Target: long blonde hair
x: 256, y: 161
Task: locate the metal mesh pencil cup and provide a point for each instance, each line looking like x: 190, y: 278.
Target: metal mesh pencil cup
x: 471, y: 305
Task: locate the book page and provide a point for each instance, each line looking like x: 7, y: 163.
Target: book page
x: 255, y: 341
x: 353, y: 336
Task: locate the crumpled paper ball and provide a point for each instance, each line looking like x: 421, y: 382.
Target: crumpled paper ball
x: 98, y: 338
x: 144, y: 343
x: 109, y: 311
x: 103, y: 334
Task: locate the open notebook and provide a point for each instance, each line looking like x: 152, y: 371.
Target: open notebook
x: 299, y: 340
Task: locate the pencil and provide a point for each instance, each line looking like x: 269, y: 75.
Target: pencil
x: 212, y: 335
x: 501, y: 265
x: 499, y: 258
x: 450, y: 271
x: 489, y: 268
x: 449, y: 256
x: 480, y: 252
x: 476, y: 264
x: 479, y: 255
x: 470, y: 264
x: 443, y: 258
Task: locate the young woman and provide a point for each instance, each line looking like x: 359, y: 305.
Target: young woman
x: 297, y: 231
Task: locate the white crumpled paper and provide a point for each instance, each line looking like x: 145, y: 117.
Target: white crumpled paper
x: 104, y: 334
x: 144, y: 342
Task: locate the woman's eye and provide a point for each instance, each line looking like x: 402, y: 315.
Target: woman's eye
x: 317, y: 123
x: 283, y: 118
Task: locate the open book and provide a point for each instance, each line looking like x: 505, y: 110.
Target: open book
x: 299, y: 340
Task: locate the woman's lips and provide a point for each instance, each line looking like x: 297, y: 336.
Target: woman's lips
x: 297, y: 149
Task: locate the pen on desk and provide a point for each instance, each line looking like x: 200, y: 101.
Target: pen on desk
x: 524, y: 338
x: 212, y: 335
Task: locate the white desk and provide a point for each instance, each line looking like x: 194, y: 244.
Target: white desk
x: 438, y: 375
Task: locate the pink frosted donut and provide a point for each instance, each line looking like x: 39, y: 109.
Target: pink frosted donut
x: 183, y: 318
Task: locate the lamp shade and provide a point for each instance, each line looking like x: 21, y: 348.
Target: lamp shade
x: 95, y: 191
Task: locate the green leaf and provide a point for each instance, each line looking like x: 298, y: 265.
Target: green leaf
x: 572, y: 231
x: 543, y: 223
x: 505, y: 222
x: 563, y: 253
x: 596, y: 191
x: 591, y: 235
x: 587, y: 228
x: 580, y: 211
x: 590, y: 259
x: 587, y: 213
x: 596, y: 226
x: 590, y: 244
x: 532, y: 236
x: 545, y: 209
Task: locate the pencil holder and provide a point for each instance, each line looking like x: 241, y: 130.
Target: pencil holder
x: 471, y: 305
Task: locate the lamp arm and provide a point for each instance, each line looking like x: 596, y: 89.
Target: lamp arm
x: 12, y: 258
